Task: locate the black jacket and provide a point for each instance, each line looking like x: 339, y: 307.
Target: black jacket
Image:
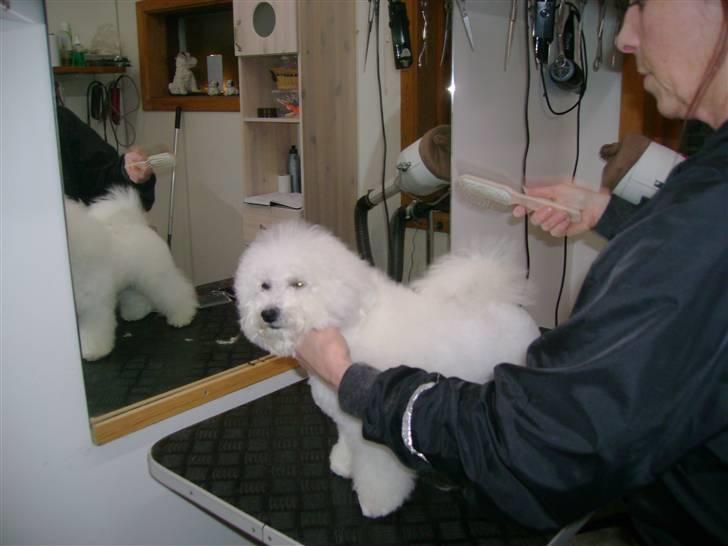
x: 627, y: 399
x: 90, y: 165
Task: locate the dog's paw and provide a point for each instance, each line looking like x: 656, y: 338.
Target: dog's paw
x: 95, y: 347
x: 182, y: 316
x: 382, y: 485
x: 374, y: 505
x: 340, y: 459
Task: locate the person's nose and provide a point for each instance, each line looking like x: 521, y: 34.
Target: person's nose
x: 627, y: 41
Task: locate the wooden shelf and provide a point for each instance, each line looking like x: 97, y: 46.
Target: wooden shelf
x: 195, y: 103
x: 89, y: 69
x: 272, y: 120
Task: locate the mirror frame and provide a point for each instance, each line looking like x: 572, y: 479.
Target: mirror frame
x: 118, y: 423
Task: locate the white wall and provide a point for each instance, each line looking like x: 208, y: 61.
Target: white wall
x: 57, y: 487
x: 489, y: 133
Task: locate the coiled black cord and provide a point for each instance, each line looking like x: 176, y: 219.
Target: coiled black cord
x: 100, y: 107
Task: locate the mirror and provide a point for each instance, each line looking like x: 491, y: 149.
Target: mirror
x: 151, y: 360
x: 264, y: 19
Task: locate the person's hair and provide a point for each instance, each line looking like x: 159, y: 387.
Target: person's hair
x: 716, y: 60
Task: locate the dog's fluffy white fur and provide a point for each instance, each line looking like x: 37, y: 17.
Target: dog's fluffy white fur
x: 117, y: 257
x: 461, y: 319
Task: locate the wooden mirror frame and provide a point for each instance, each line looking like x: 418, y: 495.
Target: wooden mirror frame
x: 132, y: 418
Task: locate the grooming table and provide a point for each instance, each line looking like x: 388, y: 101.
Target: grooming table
x: 264, y: 468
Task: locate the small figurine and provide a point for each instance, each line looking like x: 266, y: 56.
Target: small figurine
x: 184, y: 81
x: 213, y: 88
x: 230, y: 88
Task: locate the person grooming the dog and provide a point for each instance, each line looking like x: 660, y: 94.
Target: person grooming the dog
x: 629, y: 398
x: 91, y: 166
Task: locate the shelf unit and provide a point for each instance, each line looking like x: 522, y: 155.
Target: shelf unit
x: 266, y: 141
x: 60, y: 70
x: 320, y: 38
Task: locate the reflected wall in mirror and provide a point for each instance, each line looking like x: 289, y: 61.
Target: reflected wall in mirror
x: 150, y: 358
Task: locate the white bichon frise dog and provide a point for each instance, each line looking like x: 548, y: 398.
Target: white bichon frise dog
x: 461, y: 319
x: 117, y: 257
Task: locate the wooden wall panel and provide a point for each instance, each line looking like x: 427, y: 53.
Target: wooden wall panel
x: 425, y: 99
x: 328, y: 113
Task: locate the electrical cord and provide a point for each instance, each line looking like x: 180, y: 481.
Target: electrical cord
x: 97, y: 104
x: 527, y: 122
x: 100, y: 107
x: 577, y: 105
x: 123, y: 116
x: 384, y: 137
x: 412, y: 256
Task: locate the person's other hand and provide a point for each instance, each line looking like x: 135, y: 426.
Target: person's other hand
x: 325, y: 353
x: 136, y: 173
x: 592, y: 205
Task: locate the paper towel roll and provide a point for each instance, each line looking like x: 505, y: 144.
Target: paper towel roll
x: 284, y: 183
x: 53, y: 48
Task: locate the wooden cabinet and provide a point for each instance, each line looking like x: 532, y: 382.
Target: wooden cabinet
x: 266, y: 27
x: 325, y: 130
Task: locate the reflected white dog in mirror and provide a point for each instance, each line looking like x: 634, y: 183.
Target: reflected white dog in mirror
x: 117, y: 258
x: 461, y: 319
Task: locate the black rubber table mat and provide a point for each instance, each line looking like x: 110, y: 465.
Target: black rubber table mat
x: 150, y: 357
x: 269, y: 459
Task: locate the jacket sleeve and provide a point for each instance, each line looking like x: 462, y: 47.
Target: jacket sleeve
x: 90, y: 165
x: 606, y: 403
x: 616, y: 215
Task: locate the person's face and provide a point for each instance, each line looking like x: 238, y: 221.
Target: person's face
x: 672, y: 41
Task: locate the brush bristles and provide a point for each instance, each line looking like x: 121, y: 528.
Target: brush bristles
x: 162, y: 160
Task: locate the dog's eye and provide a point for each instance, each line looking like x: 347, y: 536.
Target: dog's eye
x: 298, y: 284
x: 265, y: 286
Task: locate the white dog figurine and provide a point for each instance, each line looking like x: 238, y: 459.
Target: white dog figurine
x: 117, y: 257
x: 461, y: 320
x: 184, y: 81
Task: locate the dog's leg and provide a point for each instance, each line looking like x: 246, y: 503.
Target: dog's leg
x: 133, y: 305
x: 159, y: 280
x: 97, y: 330
x: 381, y: 482
x: 340, y: 457
x: 176, y: 300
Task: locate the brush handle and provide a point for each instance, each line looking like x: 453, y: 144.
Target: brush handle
x: 533, y: 203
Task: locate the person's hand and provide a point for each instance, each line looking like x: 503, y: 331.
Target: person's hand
x: 592, y: 205
x: 137, y: 173
x: 325, y: 353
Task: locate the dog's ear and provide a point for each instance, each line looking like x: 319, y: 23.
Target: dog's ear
x: 353, y: 291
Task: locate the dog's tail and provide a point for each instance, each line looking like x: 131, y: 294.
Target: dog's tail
x: 476, y: 276
x: 120, y: 205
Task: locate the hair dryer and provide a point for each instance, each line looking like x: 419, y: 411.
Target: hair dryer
x: 543, y: 29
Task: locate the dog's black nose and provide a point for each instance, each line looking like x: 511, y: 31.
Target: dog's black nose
x: 270, y: 314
